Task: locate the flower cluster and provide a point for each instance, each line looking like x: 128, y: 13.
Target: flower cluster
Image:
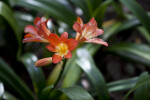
x: 62, y: 46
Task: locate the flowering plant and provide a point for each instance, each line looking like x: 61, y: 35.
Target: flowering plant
x: 62, y: 46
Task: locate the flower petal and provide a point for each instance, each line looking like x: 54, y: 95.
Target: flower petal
x: 90, y: 27
x: 56, y: 58
x: 51, y: 48
x: 72, y: 44
x: 68, y: 55
x: 43, y: 27
x: 33, y: 40
x: 77, y: 27
x: 96, y: 33
x: 30, y: 29
x: 97, y: 41
x: 28, y: 36
x: 43, y: 62
x: 38, y: 21
x: 64, y: 37
x: 54, y: 39
x: 79, y: 20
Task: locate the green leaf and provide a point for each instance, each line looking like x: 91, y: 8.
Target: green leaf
x: 144, y: 32
x: 76, y: 93
x: 35, y: 73
x: 135, y: 8
x: 122, y: 84
x: 135, y: 52
x: 87, y: 64
x: 142, y: 93
x: 72, y: 72
x: 12, y: 81
x: 7, y: 13
x: 45, y: 92
x: 1, y: 90
x: 50, y: 7
x: 144, y: 80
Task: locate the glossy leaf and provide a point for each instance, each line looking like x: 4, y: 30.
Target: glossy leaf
x: 87, y: 64
x: 143, y: 81
x: 35, y: 73
x: 50, y: 7
x: 135, y: 52
x: 76, y: 93
x: 12, y: 81
x: 72, y: 72
x: 135, y: 8
x: 1, y: 90
x: 142, y: 93
x: 122, y: 84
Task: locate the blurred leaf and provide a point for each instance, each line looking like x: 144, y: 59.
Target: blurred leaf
x: 142, y: 93
x: 36, y: 74
x: 144, y: 32
x: 127, y: 24
x: 135, y: 8
x: 7, y: 13
x: 76, y: 93
x: 1, y: 90
x: 87, y: 64
x: 99, y: 12
x: 122, y: 84
x: 45, y: 92
x: 52, y: 7
x: 82, y: 4
x: 135, y: 52
x: 54, y: 74
x: 8, y: 96
x: 11, y: 80
x: 143, y: 81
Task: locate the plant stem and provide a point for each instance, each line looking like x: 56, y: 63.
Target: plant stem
x: 59, y: 77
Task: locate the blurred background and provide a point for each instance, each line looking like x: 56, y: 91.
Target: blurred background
x: 106, y: 73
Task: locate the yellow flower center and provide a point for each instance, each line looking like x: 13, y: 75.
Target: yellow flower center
x: 62, y: 49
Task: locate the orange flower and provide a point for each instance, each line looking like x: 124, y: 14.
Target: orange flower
x: 39, y: 33
x: 61, y: 46
x: 88, y: 32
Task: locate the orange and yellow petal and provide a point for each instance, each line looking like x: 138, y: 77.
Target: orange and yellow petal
x: 56, y: 58
x: 54, y: 39
x: 64, y: 37
x: 79, y: 20
x: 68, y: 55
x: 72, y: 44
x: 43, y: 62
x: 97, y: 41
x: 51, y: 48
